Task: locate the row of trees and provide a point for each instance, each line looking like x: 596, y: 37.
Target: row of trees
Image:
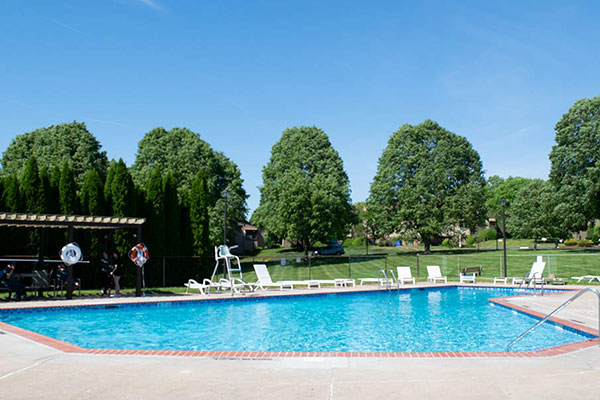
x: 175, y: 183
x: 430, y: 182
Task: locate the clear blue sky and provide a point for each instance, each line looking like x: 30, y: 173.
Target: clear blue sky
x: 239, y: 72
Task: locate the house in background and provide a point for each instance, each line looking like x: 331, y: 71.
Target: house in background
x: 248, y: 238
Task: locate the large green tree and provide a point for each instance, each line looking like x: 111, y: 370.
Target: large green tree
x: 305, y: 195
x: 53, y: 146
x: 575, y: 159
x: 183, y: 153
x: 429, y: 181
x: 534, y: 213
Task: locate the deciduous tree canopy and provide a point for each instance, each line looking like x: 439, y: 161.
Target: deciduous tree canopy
x: 305, y: 195
x: 56, y: 145
x: 183, y: 153
x: 429, y: 181
x: 575, y: 170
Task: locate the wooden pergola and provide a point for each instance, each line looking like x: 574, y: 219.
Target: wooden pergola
x: 72, y: 222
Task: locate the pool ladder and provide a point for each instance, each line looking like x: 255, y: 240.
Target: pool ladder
x: 556, y: 310
x: 382, y: 277
x: 532, y: 282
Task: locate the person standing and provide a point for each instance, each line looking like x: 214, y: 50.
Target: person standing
x: 105, y: 275
x: 116, y: 271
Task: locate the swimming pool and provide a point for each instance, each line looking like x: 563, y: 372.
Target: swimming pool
x: 444, y: 319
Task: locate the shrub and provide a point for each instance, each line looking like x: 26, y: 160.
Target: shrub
x: 481, y: 235
x: 381, y: 243
x: 593, y: 233
x: 348, y: 242
x: 449, y: 243
x: 470, y: 240
x: 490, y: 234
x: 358, y: 241
x: 318, y: 244
x: 585, y: 243
x: 571, y: 242
x: 258, y: 248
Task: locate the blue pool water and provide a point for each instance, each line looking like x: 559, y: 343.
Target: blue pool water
x: 438, y: 319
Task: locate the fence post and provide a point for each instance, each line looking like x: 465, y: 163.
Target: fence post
x: 458, y: 264
x: 164, y: 284
x: 385, y: 268
x: 418, y: 275
x: 349, y: 268
x: 309, y: 270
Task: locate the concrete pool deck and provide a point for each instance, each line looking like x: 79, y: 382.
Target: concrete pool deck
x: 32, y: 370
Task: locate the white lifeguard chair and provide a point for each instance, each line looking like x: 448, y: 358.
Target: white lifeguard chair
x: 223, y: 252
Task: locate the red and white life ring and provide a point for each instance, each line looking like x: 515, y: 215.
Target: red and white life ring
x: 139, y: 254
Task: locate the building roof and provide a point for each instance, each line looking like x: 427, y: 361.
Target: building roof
x: 65, y: 221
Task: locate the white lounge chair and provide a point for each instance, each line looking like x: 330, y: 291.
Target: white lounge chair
x: 535, y: 274
x: 263, y: 280
x: 236, y: 284
x: 338, y: 282
x: 434, y: 274
x: 380, y: 281
x: 192, y: 284
x: 405, y: 275
x: 464, y: 278
x: 589, y: 278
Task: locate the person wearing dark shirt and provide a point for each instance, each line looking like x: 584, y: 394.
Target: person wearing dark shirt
x: 11, y: 282
x: 105, y: 275
x: 116, y: 271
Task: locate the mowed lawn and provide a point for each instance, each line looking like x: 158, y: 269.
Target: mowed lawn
x: 562, y: 263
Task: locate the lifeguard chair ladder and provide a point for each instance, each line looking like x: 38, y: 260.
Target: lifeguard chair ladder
x: 222, y: 252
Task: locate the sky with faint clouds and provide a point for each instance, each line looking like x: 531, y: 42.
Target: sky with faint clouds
x: 239, y: 72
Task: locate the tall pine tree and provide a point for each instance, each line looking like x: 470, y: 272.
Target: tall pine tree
x: 172, y: 212
x: 198, y: 203
x: 67, y: 190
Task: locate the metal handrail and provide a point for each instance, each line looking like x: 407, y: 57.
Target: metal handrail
x: 394, y: 279
x: 385, y: 276
x: 556, y: 310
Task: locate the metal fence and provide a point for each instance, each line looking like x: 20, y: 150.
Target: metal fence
x: 173, y: 271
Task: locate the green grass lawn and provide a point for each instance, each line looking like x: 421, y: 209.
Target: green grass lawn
x: 563, y: 263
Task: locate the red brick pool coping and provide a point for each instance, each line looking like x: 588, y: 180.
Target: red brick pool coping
x: 549, y: 352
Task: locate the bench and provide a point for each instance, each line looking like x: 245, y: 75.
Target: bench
x: 469, y: 274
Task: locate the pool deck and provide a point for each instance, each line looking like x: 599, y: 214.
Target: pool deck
x: 32, y: 369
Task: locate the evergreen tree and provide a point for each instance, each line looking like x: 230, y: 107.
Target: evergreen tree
x: 11, y: 196
x: 155, y: 214
x: 172, y: 212
x: 47, y: 190
x: 67, y: 191
x: 122, y: 195
x: 54, y: 185
x: 31, y: 188
x: 198, y: 201
x: 92, y: 203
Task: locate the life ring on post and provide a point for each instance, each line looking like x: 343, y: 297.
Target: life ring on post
x: 70, y: 254
x: 139, y: 254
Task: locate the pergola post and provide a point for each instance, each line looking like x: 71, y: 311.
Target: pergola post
x: 138, y: 270
x: 70, y: 269
x: 41, y: 256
